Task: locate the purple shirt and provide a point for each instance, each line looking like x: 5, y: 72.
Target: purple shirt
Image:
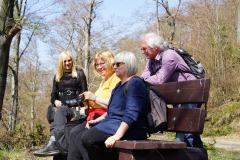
x: 171, y: 61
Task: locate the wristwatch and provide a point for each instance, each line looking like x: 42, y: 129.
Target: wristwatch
x: 94, y: 99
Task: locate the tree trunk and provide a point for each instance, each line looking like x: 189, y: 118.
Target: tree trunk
x: 4, y: 57
x: 8, y: 29
x: 158, y: 21
x: 238, y: 26
x: 14, y: 97
x: 88, y: 34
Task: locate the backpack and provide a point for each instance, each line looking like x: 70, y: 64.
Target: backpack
x: 196, y: 67
x: 156, y: 116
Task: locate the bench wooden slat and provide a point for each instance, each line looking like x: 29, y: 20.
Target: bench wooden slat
x: 164, y: 154
x: 185, y: 120
x: 197, y: 91
x: 149, y: 144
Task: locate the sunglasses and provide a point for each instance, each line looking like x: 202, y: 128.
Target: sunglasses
x: 118, y: 64
x: 67, y: 61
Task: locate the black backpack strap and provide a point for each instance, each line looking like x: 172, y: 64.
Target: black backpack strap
x: 126, y: 86
x: 78, y: 79
x: 160, y: 61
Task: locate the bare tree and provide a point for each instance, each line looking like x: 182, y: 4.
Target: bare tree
x: 238, y: 25
x: 9, y: 27
x: 170, y: 18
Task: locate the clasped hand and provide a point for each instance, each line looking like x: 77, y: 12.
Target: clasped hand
x: 111, y: 141
x: 91, y: 123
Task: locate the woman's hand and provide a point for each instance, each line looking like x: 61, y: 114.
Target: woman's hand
x: 91, y: 123
x: 57, y: 103
x: 118, y: 135
x: 88, y: 95
x: 111, y: 141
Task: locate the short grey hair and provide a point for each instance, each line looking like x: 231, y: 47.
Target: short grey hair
x: 154, y: 40
x: 130, y: 61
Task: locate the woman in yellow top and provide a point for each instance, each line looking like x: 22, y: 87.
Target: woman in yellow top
x: 102, y: 66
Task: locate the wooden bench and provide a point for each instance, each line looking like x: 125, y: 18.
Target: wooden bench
x: 180, y: 120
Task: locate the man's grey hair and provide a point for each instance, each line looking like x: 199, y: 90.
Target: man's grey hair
x: 130, y: 61
x: 154, y: 40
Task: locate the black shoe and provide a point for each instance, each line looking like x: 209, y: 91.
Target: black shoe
x: 50, y: 149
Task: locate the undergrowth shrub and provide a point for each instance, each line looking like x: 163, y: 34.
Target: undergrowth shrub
x: 19, y: 138
x: 209, y: 147
x: 222, y: 120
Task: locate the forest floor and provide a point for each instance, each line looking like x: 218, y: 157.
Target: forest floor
x: 230, y: 142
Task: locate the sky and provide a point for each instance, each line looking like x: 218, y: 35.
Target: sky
x: 127, y: 7
x: 118, y: 8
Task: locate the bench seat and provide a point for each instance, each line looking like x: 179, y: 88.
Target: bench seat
x: 149, y: 144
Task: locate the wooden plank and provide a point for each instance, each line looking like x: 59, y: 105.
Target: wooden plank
x: 185, y: 120
x: 194, y: 91
x: 164, y: 154
x: 149, y: 144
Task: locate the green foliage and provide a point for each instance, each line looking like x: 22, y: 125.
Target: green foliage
x: 223, y: 120
x: 19, y: 138
x: 210, y: 148
x: 38, y: 136
x: 223, y: 154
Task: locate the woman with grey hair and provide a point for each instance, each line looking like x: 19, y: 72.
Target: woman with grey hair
x: 125, y: 117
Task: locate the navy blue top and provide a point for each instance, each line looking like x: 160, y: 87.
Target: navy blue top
x: 131, y: 110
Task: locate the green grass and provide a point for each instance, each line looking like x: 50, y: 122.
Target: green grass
x: 20, y: 154
x: 223, y: 154
x: 222, y: 120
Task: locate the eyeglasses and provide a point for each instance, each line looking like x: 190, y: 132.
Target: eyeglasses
x: 118, y: 64
x: 70, y: 60
x: 100, y: 64
x: 143, y: 48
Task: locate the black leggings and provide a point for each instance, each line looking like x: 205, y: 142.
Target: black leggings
x: 73, y: 152
x: 91, y: 145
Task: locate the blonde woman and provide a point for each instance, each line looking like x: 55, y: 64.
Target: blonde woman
x: 103, y: 67
x: 68, y: 83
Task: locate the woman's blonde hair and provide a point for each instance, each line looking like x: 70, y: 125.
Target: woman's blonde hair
x: 61, y: 68
x: 107, y: 56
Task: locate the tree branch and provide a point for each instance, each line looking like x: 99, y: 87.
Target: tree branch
x: 27, y: 44
x: 15, y: 29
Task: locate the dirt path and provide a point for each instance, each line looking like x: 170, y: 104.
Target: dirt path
x: 230, y: 143
x: 223, y: 143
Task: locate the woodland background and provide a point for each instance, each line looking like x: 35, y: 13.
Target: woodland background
x: 208, y: 29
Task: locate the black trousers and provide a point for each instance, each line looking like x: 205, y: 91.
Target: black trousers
x: 90, y: 143
x: 73, y: 152
x: 62, y: 116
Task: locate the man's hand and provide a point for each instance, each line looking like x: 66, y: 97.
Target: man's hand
x: 111, y: 141
x: 57, y: 103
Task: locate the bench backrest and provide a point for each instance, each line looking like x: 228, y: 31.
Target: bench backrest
x: 185, y: 120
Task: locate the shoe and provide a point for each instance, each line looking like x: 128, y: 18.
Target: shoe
x: 50, y: 149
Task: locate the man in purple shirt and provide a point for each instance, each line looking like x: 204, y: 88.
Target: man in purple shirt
x: 153, y: 49
x: 165, y: 65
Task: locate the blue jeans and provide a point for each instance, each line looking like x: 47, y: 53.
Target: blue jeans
x: 193, y: 140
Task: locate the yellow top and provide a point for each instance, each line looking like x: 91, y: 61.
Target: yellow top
x: 106, y: 88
